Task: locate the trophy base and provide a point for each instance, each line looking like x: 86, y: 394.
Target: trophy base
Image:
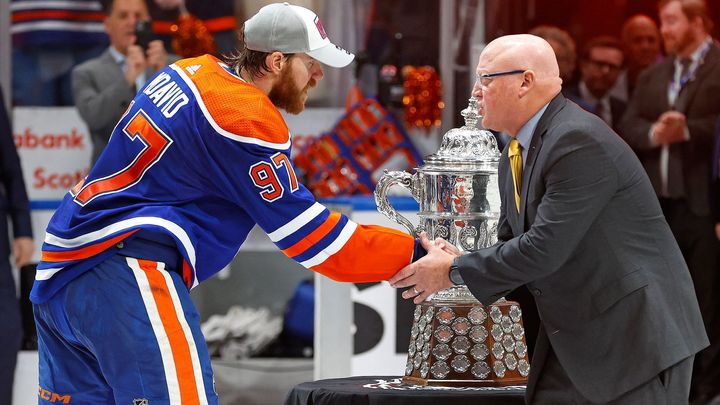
x: 464, y: 383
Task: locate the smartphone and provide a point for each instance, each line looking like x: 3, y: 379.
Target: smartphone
x: 143, y: 34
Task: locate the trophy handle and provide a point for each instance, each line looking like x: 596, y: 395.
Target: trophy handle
x: 389, y: 179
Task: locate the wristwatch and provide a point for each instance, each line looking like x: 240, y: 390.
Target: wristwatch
x: 455, y: 276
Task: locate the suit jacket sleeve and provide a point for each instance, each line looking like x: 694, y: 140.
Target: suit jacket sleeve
x: 14, y: 196
x: 635, y: 126
x: 578, y: 181
x: 100, y: 106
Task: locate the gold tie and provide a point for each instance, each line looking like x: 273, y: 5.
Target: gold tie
x: 516, y: 166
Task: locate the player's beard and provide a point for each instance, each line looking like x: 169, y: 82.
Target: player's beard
x: 286, y: 94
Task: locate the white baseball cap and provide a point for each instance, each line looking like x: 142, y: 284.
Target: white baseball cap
x: 287, y: 28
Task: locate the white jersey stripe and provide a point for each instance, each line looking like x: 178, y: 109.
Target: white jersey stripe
x: 332, y: 248
x: 45, y: 274
x: 117, y: 227
x: 18, y: 28
x: 297, y: 223
x: 195, y: 358
x: 173, y: 385
x: 216, y: 127
x: 56, y: 4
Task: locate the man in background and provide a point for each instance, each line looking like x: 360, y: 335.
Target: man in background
x: 600, y: 64
x: 15, y: 206
x: 641, y: 43
x: 669, y: 123
x: 103, y: 87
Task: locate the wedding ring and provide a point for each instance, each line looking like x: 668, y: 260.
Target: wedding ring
x: 416, y: 291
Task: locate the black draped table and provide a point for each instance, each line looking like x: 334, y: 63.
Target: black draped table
x: 380, y: 390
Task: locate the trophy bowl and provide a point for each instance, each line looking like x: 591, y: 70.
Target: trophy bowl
x: 455, y: 340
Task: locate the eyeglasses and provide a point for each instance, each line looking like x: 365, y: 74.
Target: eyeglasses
x: 486, y: 78
x: 605, y: 65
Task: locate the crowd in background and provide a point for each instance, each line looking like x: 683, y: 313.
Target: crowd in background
x: 656, y: 85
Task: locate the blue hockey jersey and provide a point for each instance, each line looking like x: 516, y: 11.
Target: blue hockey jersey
x: 201, y: 157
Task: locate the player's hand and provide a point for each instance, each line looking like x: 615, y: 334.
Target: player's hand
x: 447, y: 246
x: 426, y: 275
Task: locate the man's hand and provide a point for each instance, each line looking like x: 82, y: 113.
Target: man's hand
x: 429, y: 274
x: 717, y: 231
x: 157, y: 57
x: 670, y: 128
x: 136, y: 64
x: 22, y: 250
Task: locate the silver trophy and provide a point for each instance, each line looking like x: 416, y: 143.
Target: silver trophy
x: 454, y: 339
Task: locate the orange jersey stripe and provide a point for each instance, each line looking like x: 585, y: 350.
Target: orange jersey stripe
x: 253, y: 116
x: 173, y: 329
x: 373, y: 253
x: 84, y: 253
x: 315, y: 236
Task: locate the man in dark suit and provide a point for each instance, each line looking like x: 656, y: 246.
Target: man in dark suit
x: 669, y: 124
x: 581, y: 228
x: 13, y: 204
x: 600, y: 63
x: 103, y: 87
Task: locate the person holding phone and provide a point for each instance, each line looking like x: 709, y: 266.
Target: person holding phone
x: 103, y: 87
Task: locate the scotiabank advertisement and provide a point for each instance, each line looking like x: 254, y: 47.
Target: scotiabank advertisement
x: 54, y: 147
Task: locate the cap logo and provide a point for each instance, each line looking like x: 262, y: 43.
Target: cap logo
x: 320, y: 28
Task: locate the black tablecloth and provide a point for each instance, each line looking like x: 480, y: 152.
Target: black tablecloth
x: 379, y: 390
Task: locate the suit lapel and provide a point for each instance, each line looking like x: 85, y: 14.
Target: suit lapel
x: 555, y: 105
x: 688, y: 92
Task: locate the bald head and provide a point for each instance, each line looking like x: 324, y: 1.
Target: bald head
x: 527, y: 52
x: 637, y: 22
x: 521, y: 76
x: 641, y: 41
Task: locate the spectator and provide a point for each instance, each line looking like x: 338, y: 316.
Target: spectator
x: 641, y: 42
x: 600, y: 64
x: 49, y: 39
x: 670, y: 122
x: 103, y: 87
x: 13, y: 204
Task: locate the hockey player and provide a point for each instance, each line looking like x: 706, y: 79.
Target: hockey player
x: 200, y: 157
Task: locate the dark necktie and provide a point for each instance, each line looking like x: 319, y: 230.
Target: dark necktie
x: 685, y: 63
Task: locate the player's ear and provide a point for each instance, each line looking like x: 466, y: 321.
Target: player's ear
x: 275, y: 62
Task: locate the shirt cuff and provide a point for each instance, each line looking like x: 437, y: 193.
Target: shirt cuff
x: 651, y: 138
x: 418, y: 251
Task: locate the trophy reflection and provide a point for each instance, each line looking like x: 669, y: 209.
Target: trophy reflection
x: 455, y: 340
